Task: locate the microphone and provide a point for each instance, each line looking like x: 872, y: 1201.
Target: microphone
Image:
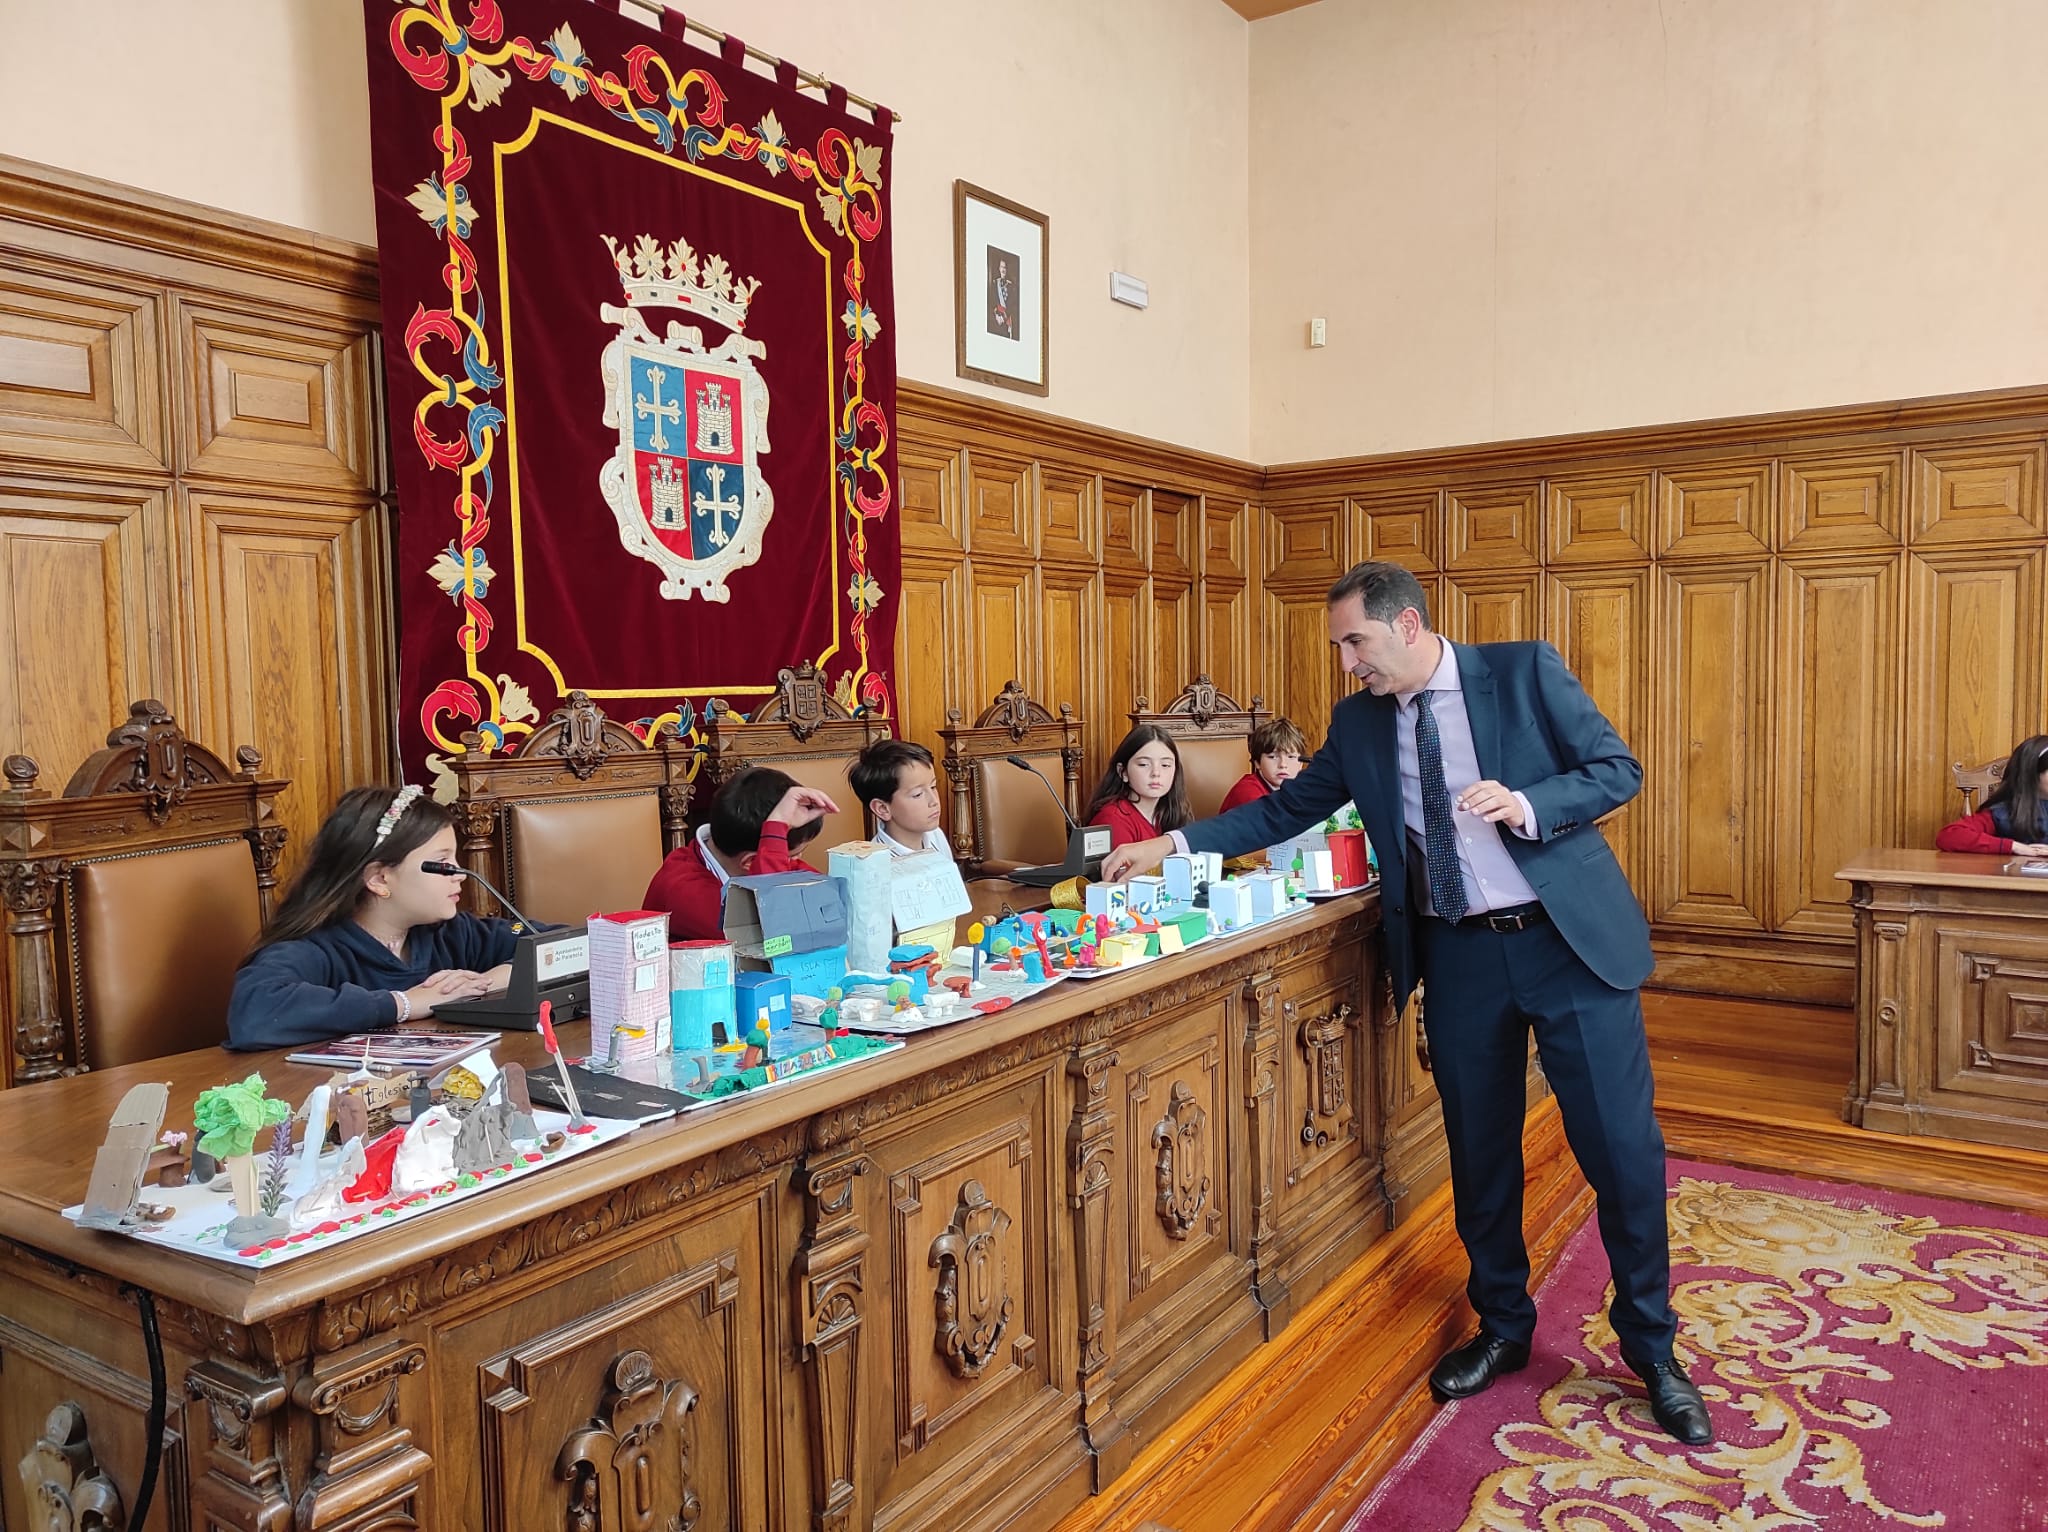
x: 452, y: 870
x: 1021, y: 764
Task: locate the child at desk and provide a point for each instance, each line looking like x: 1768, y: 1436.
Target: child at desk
x: 895, y: 779
x: 367, y: 937
x: 2014, y: 819
x: 1276, y: 750
x: 1141, y: 794
x: 759, y: 821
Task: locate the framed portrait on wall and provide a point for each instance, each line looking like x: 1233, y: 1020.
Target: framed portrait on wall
x: 1000, y: 256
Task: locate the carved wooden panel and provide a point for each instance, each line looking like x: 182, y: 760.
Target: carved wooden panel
x: 1709, y: 802
x: 1070, y: 521
x: 1002, y: 518
x: 1228, y: 638
x: 1835, y: 754
x: 1003, y: 613
x: 1600, y: 622
x: 641, y: 1404
x: 1496, y: 526
x: 1126, y: 526
x: 1718, y: 512
x: 1305, y: 543
x: 1070, y: 619
x: 1398, y: 529
x: 1303, y: 675
x: 274, y: 399
x: 1991, y: 1038
x: 79, y: 384
x: 1177, y: 534
x: 1839, y: 501
x: 1229, y: 535
x: 286, y: 633
x: 928, y: 493
x: 1489, y: 608
x: 1326, y: 1107
x: 965, y: 1236
x: 1978, y: 493
x: 934, y: 645
x: 84, y: 614
x: 1974, y: 680
x: 1176, y: 1113
x: 1604, y: 519
x: 1125, y: 673
x: 1174, y: 621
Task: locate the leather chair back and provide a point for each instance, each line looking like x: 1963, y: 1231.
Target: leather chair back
x: 828, y: 775
x: 1211, y: 768
x: 1210, y: 732
x: 1018, y: 823
x: 568, y: 858
x: 157, y: 940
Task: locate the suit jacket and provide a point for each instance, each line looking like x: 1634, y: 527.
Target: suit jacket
x: 1535, y: 730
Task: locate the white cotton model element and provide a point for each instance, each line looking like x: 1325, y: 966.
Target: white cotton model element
x: 426, y: 1155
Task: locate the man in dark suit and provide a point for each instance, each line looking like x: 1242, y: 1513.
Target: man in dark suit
x: 1479, y: 772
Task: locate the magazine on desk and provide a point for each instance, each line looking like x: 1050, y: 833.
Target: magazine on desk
x: 400, y: 1048
x: 2029, y: 866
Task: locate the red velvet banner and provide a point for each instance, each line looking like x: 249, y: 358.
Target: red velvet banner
x: 639, y: 342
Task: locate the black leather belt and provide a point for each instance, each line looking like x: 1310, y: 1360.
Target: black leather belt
x: 1517, y: 917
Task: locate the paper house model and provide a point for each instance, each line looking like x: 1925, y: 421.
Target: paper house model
x: 1110, y: 899
x: 1269, y: 894
x: 629, y: 983
x: 863, y: 866
x: 777, y: 914
x: 700, y: 997
x: 1146, y: 893
x: 756, y: 993
x: 1318, y: 874
x: 1230, y: 902
x: 1188, y: 877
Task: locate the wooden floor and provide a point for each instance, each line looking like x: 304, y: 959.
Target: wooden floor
x: 1298, y: 1439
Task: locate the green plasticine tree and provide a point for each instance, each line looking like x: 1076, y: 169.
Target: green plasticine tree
x: 230, y: 1116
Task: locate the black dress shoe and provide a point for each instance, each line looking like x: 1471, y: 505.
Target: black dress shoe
x: 1676, y: 1402
x: 1472, y: 1368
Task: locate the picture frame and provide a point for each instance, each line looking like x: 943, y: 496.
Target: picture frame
x: 1001, y: 265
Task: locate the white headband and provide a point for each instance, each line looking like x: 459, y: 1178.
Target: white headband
x: 400, y: 802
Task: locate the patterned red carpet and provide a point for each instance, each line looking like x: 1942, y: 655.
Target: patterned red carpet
x: 1873, y: 1362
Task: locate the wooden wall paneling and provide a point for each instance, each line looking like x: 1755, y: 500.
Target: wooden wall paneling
x: 1600, y: 622
x: 1493, y: 607
x: 1070, y: 517
x: 1177, y: 536
x: 1493, y: 526
x: 1124, y: 673
x: 1127, y: 526
x: 1071, y: 634
x: 1003, y: 599
x: 273, y: 398
x: 1403, y: 528
x: 1974, y: 670
x: 1305, y: 544
x: 287, y: 600
x: 1839, y: 500
x: 1983, y: 492
x: 1715, y: 512
x: 1710, y: 745
x: 1001, y: 507
x: 85, y: 599
x: 1174, y: 625
x: 1304, y: 677
x: 1835, y: 749
x: 935, y: 653
x: 1598, y: 519
x: 1227, y: 638
x: 80, y: 370
x: 1230, y: 529
x: 928, y: 491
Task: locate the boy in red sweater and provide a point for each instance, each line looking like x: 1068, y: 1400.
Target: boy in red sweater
x: 759, y: 820
x: 1276, y: 751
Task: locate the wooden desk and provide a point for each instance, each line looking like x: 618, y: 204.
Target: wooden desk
x: 955, y: 1286
x: 1951, y: 998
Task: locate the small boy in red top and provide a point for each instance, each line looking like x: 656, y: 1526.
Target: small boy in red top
x: 759, y: 820
x: 1276, y: 751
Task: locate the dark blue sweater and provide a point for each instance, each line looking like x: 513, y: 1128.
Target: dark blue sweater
x: 341, y: 979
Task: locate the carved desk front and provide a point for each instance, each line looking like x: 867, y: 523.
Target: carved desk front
x: 956, y: 1286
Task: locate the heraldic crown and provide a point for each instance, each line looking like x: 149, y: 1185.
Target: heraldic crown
x: 655, y: 276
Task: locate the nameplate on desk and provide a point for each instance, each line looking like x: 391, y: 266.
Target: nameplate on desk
x: 1095, y: 841
x: 561, y: 957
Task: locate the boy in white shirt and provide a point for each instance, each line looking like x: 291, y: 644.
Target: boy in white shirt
x: 897, y: 782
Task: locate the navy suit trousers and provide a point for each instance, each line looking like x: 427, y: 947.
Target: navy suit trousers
x: 1483, y: 993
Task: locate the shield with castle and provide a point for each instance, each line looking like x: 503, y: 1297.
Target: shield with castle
x: 685, y: 482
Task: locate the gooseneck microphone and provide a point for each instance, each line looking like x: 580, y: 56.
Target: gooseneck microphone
x: 1021, y: 764
x: 452, y: 870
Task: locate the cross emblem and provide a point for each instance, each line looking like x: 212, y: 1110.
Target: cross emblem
x: 643, y: 407
x: 714, y: 506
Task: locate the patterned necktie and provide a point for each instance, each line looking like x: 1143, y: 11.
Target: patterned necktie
x: 1439, y: 834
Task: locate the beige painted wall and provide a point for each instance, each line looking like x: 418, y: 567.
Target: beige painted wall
x: 1124, y: 122
x: 1523, y: 219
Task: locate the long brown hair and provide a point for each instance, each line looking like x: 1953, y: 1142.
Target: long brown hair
x: 1172, y: 811
x: 329, y: 885
x: 2020, y: 789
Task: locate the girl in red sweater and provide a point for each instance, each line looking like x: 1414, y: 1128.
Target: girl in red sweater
x: 1141, y: 795
x: 2014, y: 819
